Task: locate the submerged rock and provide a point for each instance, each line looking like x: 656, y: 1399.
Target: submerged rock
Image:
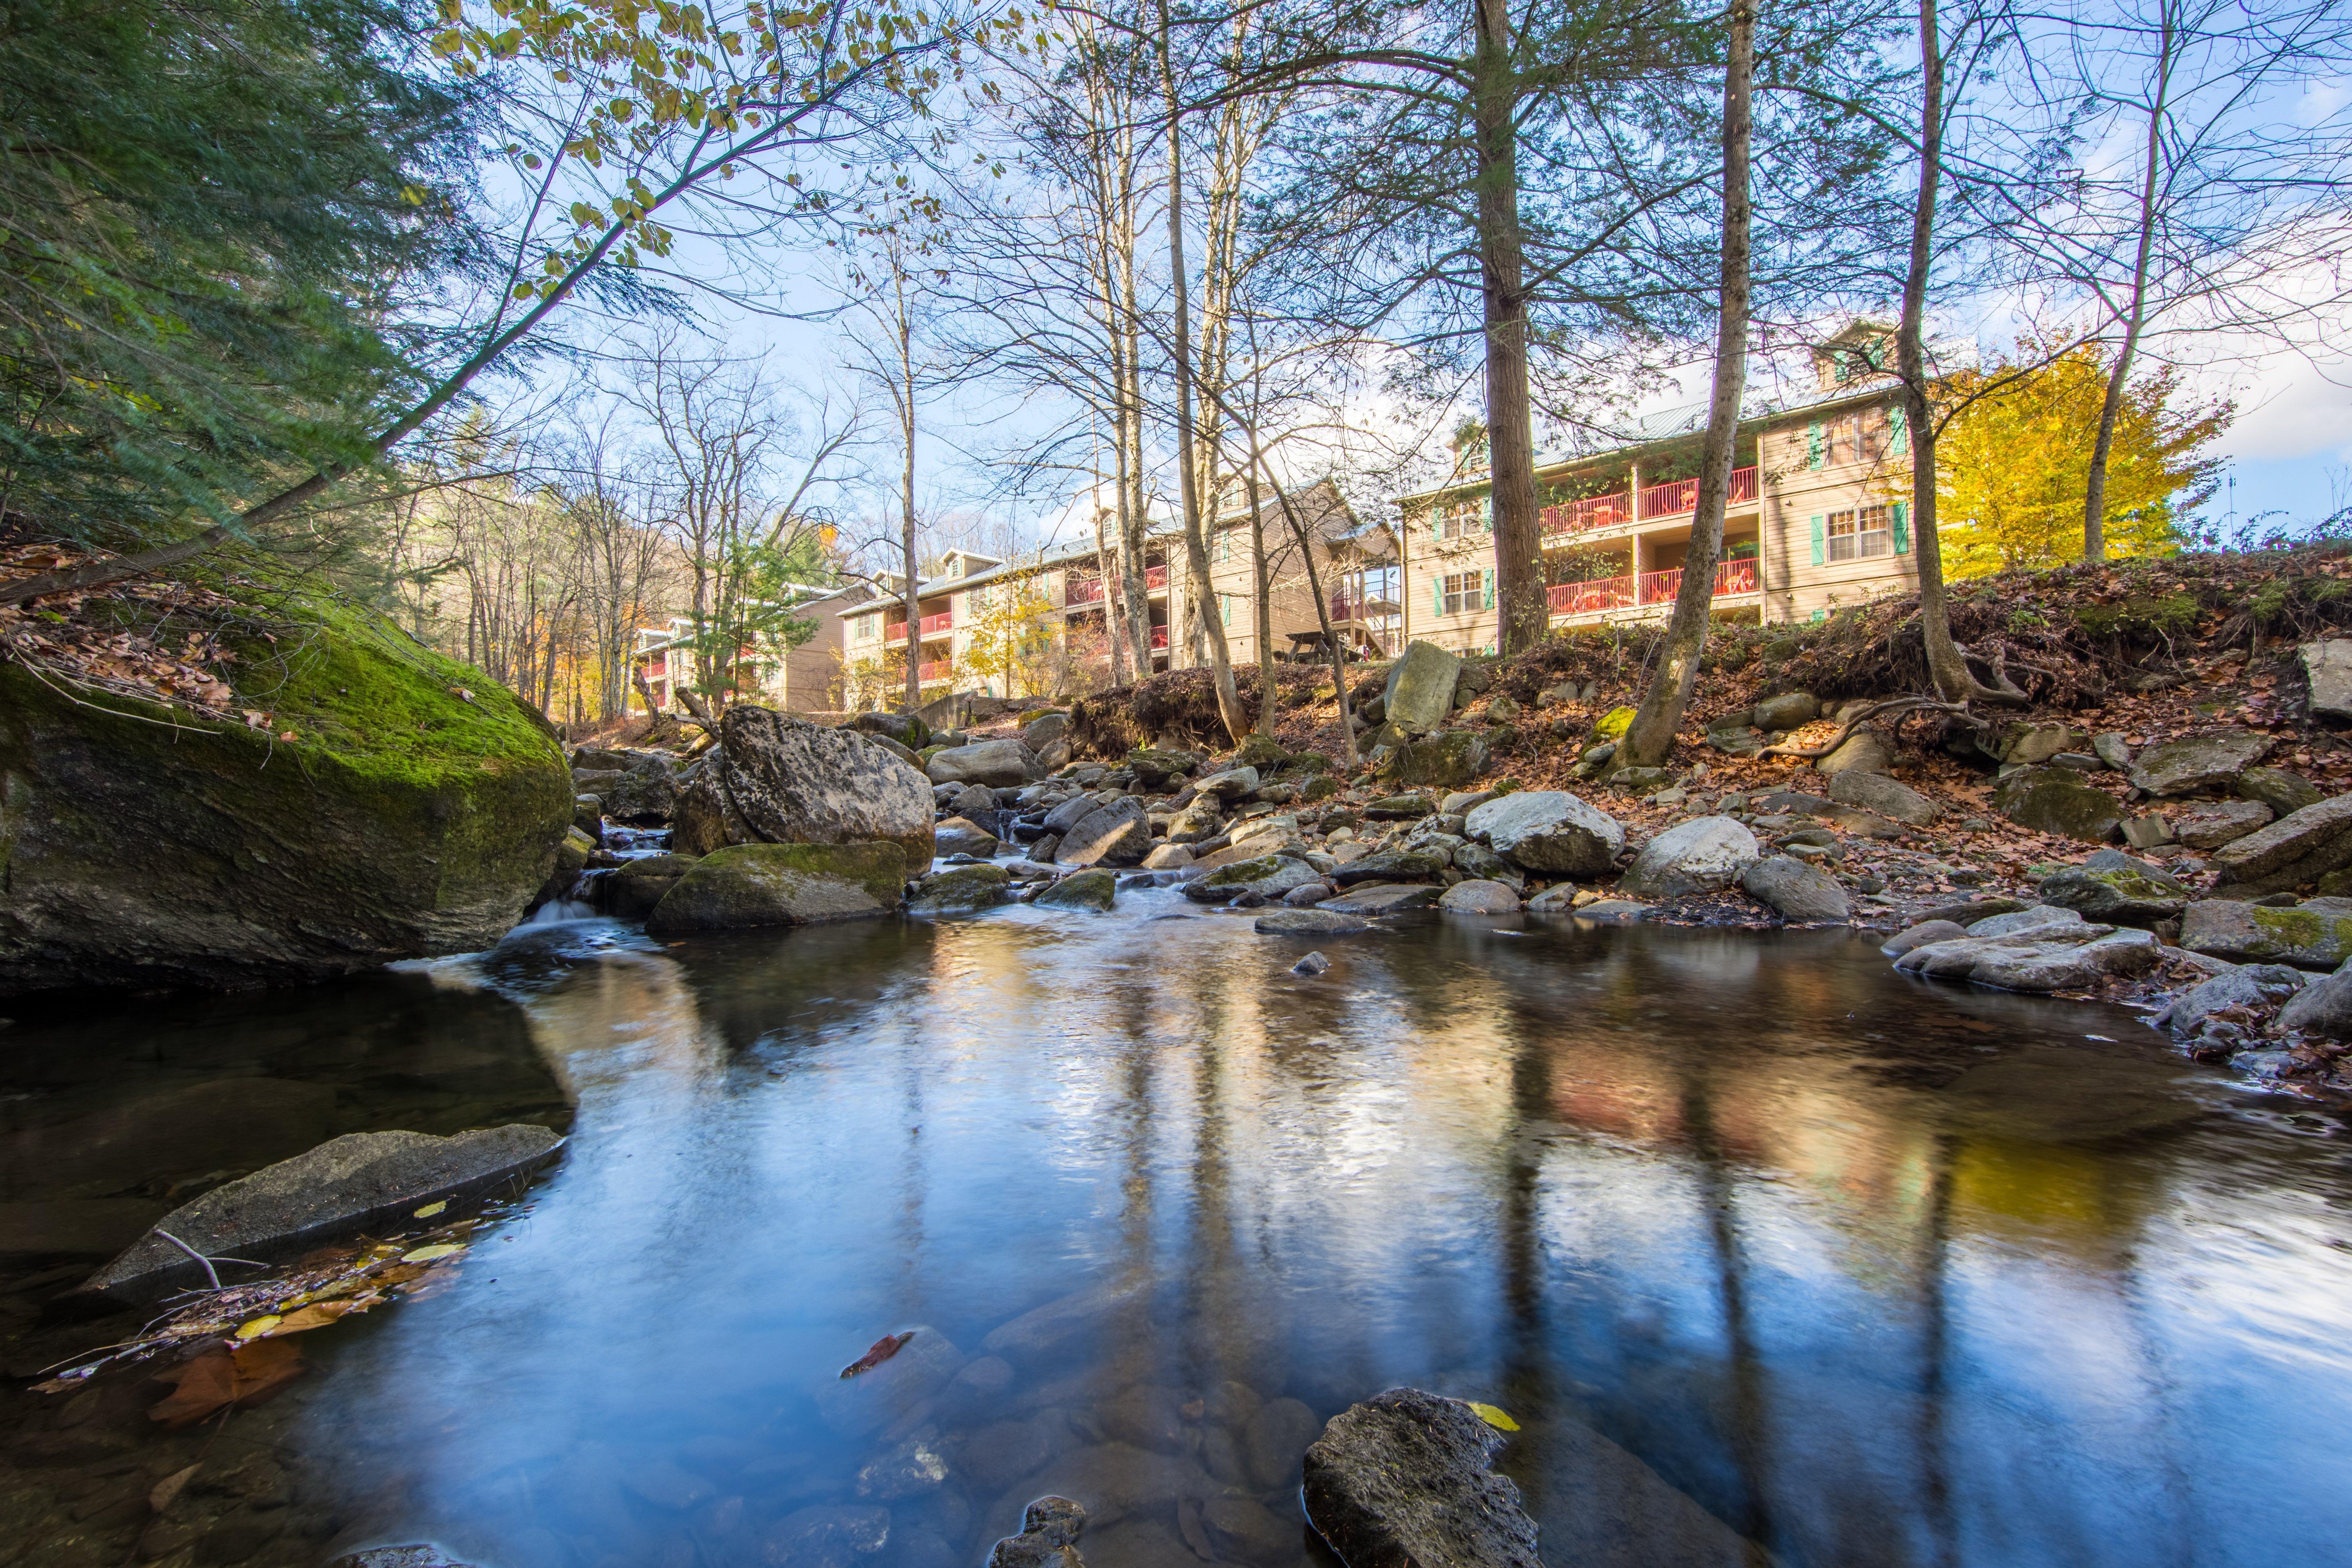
x: 870, y: 1400
x: 1403, y: 1478
x: 777, y: 779
x: 1050, y: 1528
x: 2038, y: 960
x: 355, y: 1183
x: 745, y: 886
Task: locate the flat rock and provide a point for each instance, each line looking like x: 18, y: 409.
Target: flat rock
x: 1968, y: 912
x: 2019, y: 963
x: 1095, y: 888
x: 1478, y: 897
x: 998, y: 765
x: 2034, y: 922
x: 963, y: 888
x: 1548, y: 831
x: 346, y: 1185
x: 1418, y: 696
x: 1704, y: 855
x: 1800, y: 894
x: 1404, y: 1478
x: 1268, y: 876
x: 1920, y: 935
x: 1320, y: 921
x: 2327, y: 675
x: 778, y: 779
x: 2284, y: 793
x: 1617, y: 910
x: 2223, y: 822
x: 1119, y: 834
x: 2129, y: 894
x: 2299, y: 847
x: 2056, y: 800
x: 1875, y: 791
x: 747, y: 886
x: 2317, y: 935
x: 2198, y: 762
x: 1383, y: 898
x: 1389, y: 866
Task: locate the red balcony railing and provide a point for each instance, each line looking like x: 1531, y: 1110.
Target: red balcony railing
x: 933, y: 673
x: 1594, y: 511
x: 1159, y: 636
x: 1154, y: 579
x: 1083, y: 591
x: 1650, y: 588
x: 1675, y: 497
x: 1678, y: 496
x: 938, y: 626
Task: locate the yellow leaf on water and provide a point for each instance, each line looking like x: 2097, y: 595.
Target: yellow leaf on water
x: 1494, y: 1417
x: 258, y: 1327
x: 429, y: 1254
x: 429, y: 1210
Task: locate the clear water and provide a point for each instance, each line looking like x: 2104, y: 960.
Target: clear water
x: 1775, y: 1257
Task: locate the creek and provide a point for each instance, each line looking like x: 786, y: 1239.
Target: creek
x: 1773, y: 1255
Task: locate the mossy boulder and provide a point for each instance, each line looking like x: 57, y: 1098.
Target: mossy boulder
x: 2055, y: 800
x: 1154, y: 767
x: 2315, y: 934
x: 964, y: 887
x: 2126, y: 894
x: 1613, y: 724
x: 746, y: 886
x: 1447, y: 760
x: 1263, y: 752
x: 1093, y: 889
x: 414, y: 810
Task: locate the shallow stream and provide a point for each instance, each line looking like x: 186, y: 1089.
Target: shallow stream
x: 1775, y: 1256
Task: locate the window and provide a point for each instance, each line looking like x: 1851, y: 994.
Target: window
x: 1461, y: 518
x: 864, y: 628
x: 1855, y: 437
x: 1465, y: 593
x: 1857, y: 535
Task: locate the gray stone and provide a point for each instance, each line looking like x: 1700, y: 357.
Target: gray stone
x: 967, y: 800
x: 1920, y: 935
x: 999, y: 765
x: 907, y: 729
x: 2031, y: 744
x: 1401, y: 808
x: 1551, y: 831
x: 1383, y: 898
x: 2254, y: 986
x: 588, y: 814
x: 1461, y: 802
x: 963, y: 888
x: 2282, y: 792
x: 1313, y: 964
x: 1615, y: 911
x: 1865, y: 751
x: 1418, y: 696
x: 2327, y: 672
x: 637, y: 885
x: 1971, y: 911
x: 1389, y: 866
x: 2200, y: 762
x: 908, y: 1468
x: 2223, y: 822
x: 355, y: 1183
x: 1268, y: 876
x: 2313, y: 935
x: 2299, y: 847
x: 1403, y: 1480
x: 1446, y: 759
x: 1045, y: 730
x: 1155, y: 765
x: 1071, y: 812
x: 1801, y: 894
x: 1873, y: 791
x: 2042, y: 918
x: 1115, y: 834
x: 961, y: 836
x: 1232, y: 785
x: 2130, y: 895
x: 746, y: 886
x: 1089, y: 889
x: 1168, y: 857
x: 2056, y: 800
x: 1200, y: 820
x: 2056, y: 962
x: 2113, y: 750
x: 1477, y: 860
x: 776, y: 779
x: 1320, y: 921
x: 2323, y: 1007
x: 1704, y: 855
x: 416, y: 1554
x: 2153, y: 831
x: 1476, y: 898
x: 1788, y: 711
x: 1050, y: 1528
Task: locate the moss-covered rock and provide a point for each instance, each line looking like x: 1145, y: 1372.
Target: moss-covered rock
x: 1263, y: 752
x: 964, y: 887
x: 746, y: 886
x: 416, y: 810
x: 1093, y: 888
x: 2055, y: 800
x: 1447, y: 760
x: 2317, y: 935
x: 1613, y: 724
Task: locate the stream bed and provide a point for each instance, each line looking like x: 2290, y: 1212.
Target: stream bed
x: 1773, y: 1255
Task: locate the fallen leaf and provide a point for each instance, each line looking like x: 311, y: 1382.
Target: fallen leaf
x: 219, y: 1378
x: 315, y: 1316
x: 170, y: 1488
x: 1495, y: 1417
x: 429, y: 1254
x: 429, y: 1210
x: 258, y: 1327
x: 881, y: 1350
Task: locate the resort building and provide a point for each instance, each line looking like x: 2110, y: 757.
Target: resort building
x: 806, y: 679
x: 1819, y: 515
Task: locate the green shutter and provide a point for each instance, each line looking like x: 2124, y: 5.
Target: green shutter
x: 1490, y: 588
x: 1813, y: 445
x: 1898, y: 422
x: 1436, y: 522
x: 1437, y: 595
x: 1821, y: 614
x: 1486, y: 511
x: 1821, y: 542
x: 1902, y: 527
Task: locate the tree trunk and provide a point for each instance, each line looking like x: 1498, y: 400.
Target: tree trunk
x: 907, y: 492
x: 1650, y: 738
x: 1196, y: 544
x: 2094, y: 498
x: 1525, y: 614
x: 1268, y: 700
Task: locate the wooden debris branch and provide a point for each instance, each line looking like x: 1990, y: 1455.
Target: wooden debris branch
x: 1905, y: 705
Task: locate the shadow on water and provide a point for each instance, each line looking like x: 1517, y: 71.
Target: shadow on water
x: 1775, y: 1257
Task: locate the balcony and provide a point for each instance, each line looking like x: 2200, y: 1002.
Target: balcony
x: 938, y: 626
x: 1083, y: 591
x: 1656, y: 503
x: 933, y: 673
x: 1155, y: 579
x: 1160, y: 640
x: 1603, y: 594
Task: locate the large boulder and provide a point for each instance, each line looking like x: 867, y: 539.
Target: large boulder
x: 1268, y: 876
x: 2222, y: 822
x: 1704, y: 855
x: 2328, y: 671
x: 1420, y: 692
x: 1447, y: 760
x: 1119, y: 834
x: 2198, y: 762
x: 359, y: 1181
x: 746, y: 886
x: 907, y: 729
x: 776, y: 779
x: 1403, y: 1480
x: 1798, y: 893
x: 382, y: 803
x: 2282, y: 792
x: 2117, y: 890
x: 2048, y: 958
x: 1872, y: 790
x: 1548, y: 830
x: 1045, y: 730
x: 1479, y: 898
x: 1788, y: 711
x: 2056, y: 800
x: 2323, y: 1007
x: 2301, y: 847
x: 2313, y: 935
x: 998, y: 765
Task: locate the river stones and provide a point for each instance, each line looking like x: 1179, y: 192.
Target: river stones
x: 962, y: 888
x: 2299, y: 847
x: 345, y: 1185
x: 1478, y: 897
x: 830, y: 1535
x: 2055, y: 800
x: 1095, y: 888
x: 1119, y: 834
x: 2323, y: 1007
x: 1798, y: 893
x: 1268, y: 876
x: 1050, y: 1528
x: 1319, y: 921
x: 1403, y: 1478
x: 1704, y: 855
x: 2317, y: 935
x: 777, y: 779
x: 2284, y: 793
x: 1231, y: 786
x: 961, y: 835
x: 1048, y: 1328
x: 1920, y: 935
x: 2200, y: 762
x: 635, y: 787
x: 1549, y: 831
x: 746, y: 886
x: 2120, y: 891
x: 637, y: 886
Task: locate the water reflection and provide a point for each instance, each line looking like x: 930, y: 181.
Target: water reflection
x: 1777, y: 1256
